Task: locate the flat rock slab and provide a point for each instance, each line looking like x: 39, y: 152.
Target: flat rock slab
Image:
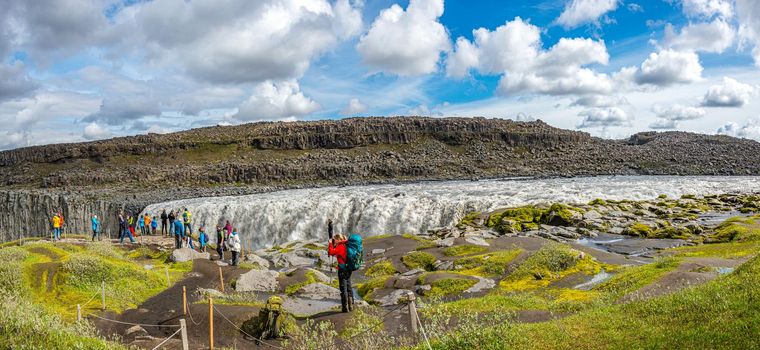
x: 308, y: 307
x: 187, y: 254
x: 255, y: 259
x: 388, y: 297
x: 483, y: 284
x: 318, y: 291
x: 258, y: 281
x: 476, y: 241
x: 291, y: 259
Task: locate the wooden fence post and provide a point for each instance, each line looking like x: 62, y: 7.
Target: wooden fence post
x: 183, y: 333
x: 221, y: 279
x: 103, y: 294
x: 412, y: 312
x: 211, y: 323
x: 79, y: 312
x: 184, y: 301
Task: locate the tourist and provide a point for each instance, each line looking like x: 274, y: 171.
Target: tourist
x: 131, y: 224
x: 179, y: 233
x: 186, y: 217
x: 234, y: 244
x: 62, y: 227
x: 228, y: 228
x: 95, y: 226
x: 147, y: 221
x: 172, y: 217
x: 164, y: 217
x: 337, y: 248
x: 126, y: 230
x: 154, y: 225
x: 202, y: 239
x: 141, y: 224
x: 56, y: 227
x: 220, y: 236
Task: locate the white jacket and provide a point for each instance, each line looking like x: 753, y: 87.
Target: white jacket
x: 234, y: 243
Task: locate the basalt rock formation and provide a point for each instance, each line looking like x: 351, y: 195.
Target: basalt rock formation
x: 226, y: 160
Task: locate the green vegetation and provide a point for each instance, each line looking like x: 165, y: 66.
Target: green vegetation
x: 368, y: 287
x: 633, y: 278
x: 421, y: 260
x: 309, y: 277
x: 423, y: 243
x: 491, y: 264
x: 381, y: 268
x: 551, y: 262
x: 737, y: 229
x: 469, y: 219
x: 464, y: 249
x: 598, y: 201
x: 639, y: 229
x: 530, y: 217
x: 447, y: 286
x: 729, y: 250
x: 722, y: 314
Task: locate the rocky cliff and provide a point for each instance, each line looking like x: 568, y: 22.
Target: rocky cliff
x: 101, y: 176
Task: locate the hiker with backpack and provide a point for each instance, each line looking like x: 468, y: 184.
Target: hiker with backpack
x: 202, y: 239
x: 164, y: 218
x: 56, y: 227
x: 220, y: 237
x: 234, y: 243
x: 179, y: 232
x: 350, y: 256
x: 172, y: 217
x: 95, y: 227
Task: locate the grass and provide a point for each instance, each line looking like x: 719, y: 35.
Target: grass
x: 447, y: 286
x: 485, y: 265
x: 730, y: 250
x: 551, y: 262
x: 632, y: 278
x: 722, y: 314
x: 464, y: 249
x: 310, y: 277
x: 737, y: 229
x: 381, y: 268
x: 421, y: 260
x: 366, y: 288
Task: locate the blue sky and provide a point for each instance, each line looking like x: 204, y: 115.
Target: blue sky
x: 77, y: 70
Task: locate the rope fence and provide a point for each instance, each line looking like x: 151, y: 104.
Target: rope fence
x: 133, y: 324
x: 167, y: 339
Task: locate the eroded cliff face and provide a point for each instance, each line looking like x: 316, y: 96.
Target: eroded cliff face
x: 101, y: 176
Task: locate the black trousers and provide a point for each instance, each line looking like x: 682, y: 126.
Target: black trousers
x: 235, y: 258
x: 346, y: 292
x: 163, y: 228
x: 178, y: 241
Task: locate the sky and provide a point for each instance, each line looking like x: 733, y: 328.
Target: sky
x: 80, y: 70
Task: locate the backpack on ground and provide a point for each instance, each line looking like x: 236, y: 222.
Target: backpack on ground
x: 271, y: 319
x: 354, y: 252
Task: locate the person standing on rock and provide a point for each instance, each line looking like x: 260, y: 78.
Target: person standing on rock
x: 337, y: 248
x: 95, y: 227
x: 228, y: 228
x: 147, y: 221
x: 154, y: 225
x: 171, y: 217
x: 179, y: 233
x: 234, y: 243
x: 125, y: 230
x: 61, y: 228
x: 220, y: 237
x: 56, y: 227
x: 164, y: 217
x: 187, y: 218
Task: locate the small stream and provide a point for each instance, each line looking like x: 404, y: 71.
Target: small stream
x: 597, y: 279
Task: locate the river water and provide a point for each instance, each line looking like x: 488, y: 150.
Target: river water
x: 273, y: 218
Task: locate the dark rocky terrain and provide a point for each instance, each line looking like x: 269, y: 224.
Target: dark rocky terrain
x: 103, y: 176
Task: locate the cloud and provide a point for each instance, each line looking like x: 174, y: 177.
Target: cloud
x: 715, y: 36
x: 579, y: 12
x: 354, y: 107
x: 668, y: 117
x: 276, y: 101
x: 600, y: 101
x: 748, y: 13
x: 634, y: 7
x: 14, y: 82
x: 240, y: 41
x: 29, y: 113
x: 604, y: 117
x: 707, y: 8
x: 406, y: 42
x: 669, y: 67
x: 114, y: 110
x: 94, y: 131
x: 750, y: 129
x: 729, y: 94
x: 515, y: 50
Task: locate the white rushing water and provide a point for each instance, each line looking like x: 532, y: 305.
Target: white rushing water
x: 272, y: 218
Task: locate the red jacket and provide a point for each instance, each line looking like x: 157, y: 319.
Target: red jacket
x: 338, y: 251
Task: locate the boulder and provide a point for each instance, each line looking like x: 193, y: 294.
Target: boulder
x: 476, y: 241
x: 443, y: 265
x: 258, y: 281
x: 378, y: 251
x: 291, y: 259
x: 483, y: 284
x: 445, y: 242
x: 255, y: 259
x: 187, y: 254
x: 318, y: 291
x: 393, y: 298
x: 136, y: 331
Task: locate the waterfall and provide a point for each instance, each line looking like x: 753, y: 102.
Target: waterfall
x: 269, y: 219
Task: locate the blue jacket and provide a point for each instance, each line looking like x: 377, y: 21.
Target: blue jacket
x: 179, y: 228
x: 95, y: 224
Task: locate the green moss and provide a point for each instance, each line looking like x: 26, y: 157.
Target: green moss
x: 736, y: 229
x: 491, y: 264
x: 561, y: 215
x: 371, y: 285
x: 448, y: 286
x: 516, y: 219
x: 382, y: 268
x: 597, y: 202
x: 639, y: 229
x: 421, y: 260
x: 728, y: 250
x: 423, y: 243
x: 662, y: 196
x: 313, y: 246
x: 470, y: 219
x: 633, y: 278
x: 464, y: 249
x: 551, y: 262
x: 309, y: 278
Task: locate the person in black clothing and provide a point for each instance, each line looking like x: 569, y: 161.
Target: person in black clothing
x: 220, y: 242
x: 164, y: 217
x: 171, y: 217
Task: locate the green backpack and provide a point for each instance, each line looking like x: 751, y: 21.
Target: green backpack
x: 271, y: 319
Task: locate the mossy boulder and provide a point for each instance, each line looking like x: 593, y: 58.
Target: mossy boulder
x: 371, y: 285
x: 491, y: 264
x: 736, y: 229
x: 421, y: 260
x: 443, y: 284
x: 639, y: 229
x: 381, y: 268
x: 562, y: 215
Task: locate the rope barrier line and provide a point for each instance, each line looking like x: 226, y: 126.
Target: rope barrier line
x: 167, y: 339
x: 134, y: 324
x: 190, y: 313
x: 242, y: 331
x: 91, y: 299
x: 422, y: 328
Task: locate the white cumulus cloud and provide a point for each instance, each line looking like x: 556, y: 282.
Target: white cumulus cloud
x: 578, y: 12
x: 729, y: 94
x: 604, y: 117
x: 668, y: 67
x: 94, y: 131
x: 668, y: 117
x: 715, y: 36
x: 707, y: 8
x: 354, y: 107
x: 406, y: 42
x: 748, y: 13
x: 749, y: 130
x: 276, y: 101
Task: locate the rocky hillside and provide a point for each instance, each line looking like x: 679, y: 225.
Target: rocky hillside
x: 229, y: 160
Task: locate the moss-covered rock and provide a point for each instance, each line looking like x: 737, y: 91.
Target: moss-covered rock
x: 737, y: 229
x: 639, y: 229
x: 562, y: 215
x: 491, y: 264
x: 368, y: 287
x: 447, y: 286
x: 421, y: 260
x: 381, y: 268
x: 464, y: 249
